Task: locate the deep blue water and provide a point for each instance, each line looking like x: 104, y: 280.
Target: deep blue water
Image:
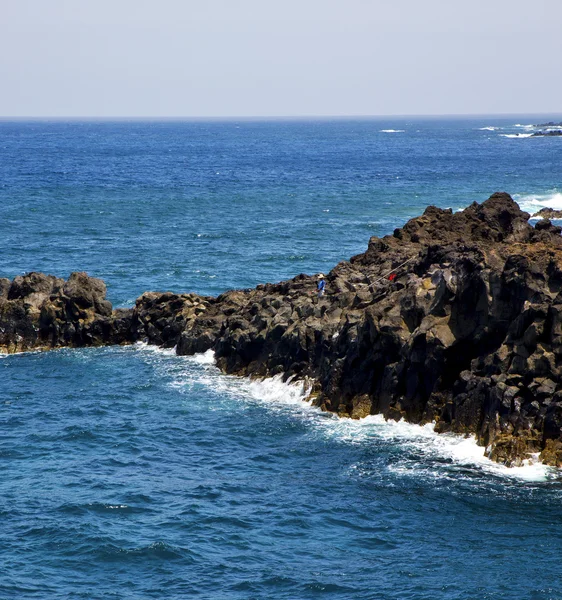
x: 133, y: 473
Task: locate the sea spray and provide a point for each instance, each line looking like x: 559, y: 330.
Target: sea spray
x: 532, y: 203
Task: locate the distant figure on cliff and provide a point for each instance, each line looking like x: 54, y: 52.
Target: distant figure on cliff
x: 321, y: 285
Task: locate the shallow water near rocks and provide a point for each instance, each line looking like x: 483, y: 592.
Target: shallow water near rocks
x: 130, y: 472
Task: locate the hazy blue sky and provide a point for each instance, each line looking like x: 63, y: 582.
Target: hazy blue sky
x: 279, y: 57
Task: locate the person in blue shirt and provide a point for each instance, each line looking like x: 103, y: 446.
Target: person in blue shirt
x: 321, y: 285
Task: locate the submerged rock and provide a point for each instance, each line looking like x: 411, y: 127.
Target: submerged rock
x: 455, y: 319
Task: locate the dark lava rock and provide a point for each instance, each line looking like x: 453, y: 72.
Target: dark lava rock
x: 454, y: 319
x: 547, y: 133
x: 468, y: 334
x: 41, y: 311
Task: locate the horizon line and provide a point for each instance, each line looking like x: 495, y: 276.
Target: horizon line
x: 270, y: 117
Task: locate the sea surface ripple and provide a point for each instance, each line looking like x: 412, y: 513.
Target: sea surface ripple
x: 130, y: 472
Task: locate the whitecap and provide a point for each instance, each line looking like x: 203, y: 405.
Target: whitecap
x: 152, y: 349
x: 524, y: 126
x: 516, y: 135
x: 488, y: 128
x: 204, y: 358
x: 532, y: 203
x: 392, y: 130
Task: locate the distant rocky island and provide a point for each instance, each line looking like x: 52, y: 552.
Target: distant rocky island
x: 455, y: 318
x: 547, y: 133
x: 550, y: 129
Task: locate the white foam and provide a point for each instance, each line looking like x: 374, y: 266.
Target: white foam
x: 392, y: 130
x: 152, y: 349
x: 532, y: 203
x: 204, y: 358
x: 430, y: 446
x: 488, y: 128
x: 425, y: 451
x: 516, y: 135
x: 524, y: 126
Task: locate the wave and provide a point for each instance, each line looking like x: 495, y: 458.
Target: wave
x: 159, y: 551
x: 516, y: 135
x: 204, y: 358
x: 420, y: 448
x: 488, y: 128
x: 532, y: 203
x: 524, y: 126
x: 392, y: 130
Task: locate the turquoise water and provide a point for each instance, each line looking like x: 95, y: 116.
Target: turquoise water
x: 134, y: 473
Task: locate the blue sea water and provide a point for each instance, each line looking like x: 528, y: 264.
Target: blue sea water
x: 130, y: 472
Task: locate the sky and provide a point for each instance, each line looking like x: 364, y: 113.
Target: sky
x: 259, y: 58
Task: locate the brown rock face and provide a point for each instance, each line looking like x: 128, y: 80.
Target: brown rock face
x: 40, y: 311
x: 455, y: 318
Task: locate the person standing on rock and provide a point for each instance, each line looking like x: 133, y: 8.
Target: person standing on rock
x: 321, y: 285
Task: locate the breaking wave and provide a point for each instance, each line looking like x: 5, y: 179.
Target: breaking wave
x: 417, y: 449
x: 532, y: 203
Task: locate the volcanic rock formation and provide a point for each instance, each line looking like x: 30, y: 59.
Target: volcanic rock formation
x: 467, y: 333
x: 40, y: 311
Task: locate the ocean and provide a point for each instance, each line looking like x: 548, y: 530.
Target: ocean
x: 133, y: 473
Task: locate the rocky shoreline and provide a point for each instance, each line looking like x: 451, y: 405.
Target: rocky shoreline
x: 467, y: 333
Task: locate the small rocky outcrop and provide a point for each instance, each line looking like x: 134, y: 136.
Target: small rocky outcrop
x: 455, y: 318
x: 40, y: 311
x: 548, y: 213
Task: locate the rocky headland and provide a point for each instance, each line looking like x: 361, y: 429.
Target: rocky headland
x: 456, y: 318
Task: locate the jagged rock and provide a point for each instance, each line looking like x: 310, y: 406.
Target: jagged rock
x: 552, y: 453
x: 467, y: 333
x: 41, y: 311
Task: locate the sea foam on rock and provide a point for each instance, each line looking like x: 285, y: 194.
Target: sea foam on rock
x: 467, y: 335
